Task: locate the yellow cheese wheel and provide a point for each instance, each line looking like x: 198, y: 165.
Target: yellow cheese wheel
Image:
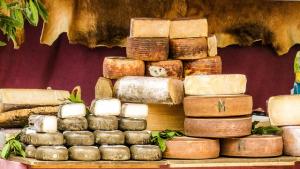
x: 291, y: 140
x: 188, y: 48
x: 204, y: 66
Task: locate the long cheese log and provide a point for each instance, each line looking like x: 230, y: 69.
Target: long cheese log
x: 217, y: 106
x: 148, y: 49
x: 212, y: 45
x: 218, y: 127
x: 284, y: 110
x: 204, y: 66
x: 149, y: 90
x: 192, y: 148
x: 252, y: 146
x: 225, y: 84
x: 103, y: 88
x: 117, y: 67
x: 168, y: 68
x: 189, y: 48
x: 149, y: 27
x: 291, y: 140
x: 12, y: 99
x: 188, y: 28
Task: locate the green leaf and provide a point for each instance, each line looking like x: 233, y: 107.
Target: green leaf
x: 159, y: 138
x: 6, y: 150
x: 297, y: 62
x: 75, y: 96
x: 264, y: 130
x: 162, y: 144
x: 2, y: 43
x: 3, y: 4
x: 31, y: 13
x: 42, y: 10
x: 18, y: 17
x: 19, y: 148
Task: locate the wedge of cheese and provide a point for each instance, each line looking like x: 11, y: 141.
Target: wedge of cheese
x: 106, y: 107
x: 212, y: 45
x: 167, y: 68
x: 84, y: 153
x: 223, y: 84
x: 79, y: 138
x: 291, y: 140
x: 188, y: 49
x: 103, y: 88
x: 114, y: 152
x: 43, y: 123
x: 284, y: 110
x: 204, y: 66
x: 188, y: 28
x: 52, y: 153
x: 149, y: 27
x: 72, y: 110
x: 145, y: 152
x: 134, y: 110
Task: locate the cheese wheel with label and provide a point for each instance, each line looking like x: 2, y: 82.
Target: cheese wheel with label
x: 72, y: 110
x: 188, y: 28
x: 291, y: 140
x: 188, y: 49
x: 217, y: 127
x: 149, y: 27
x: 106, y: 107
x: 194, y: 148
x: 43, y: 139
x: 128, y: 124
x: 115, y: 137
x: 204, y: 66
x: 284, y: 110
x: 167, y: 68
x: 145, y: 152
x: 79, y: 138
x: 84, y: 153
x: 135, y: 111
x: 52, y: 153
x: 30, y: 151
x: 147, y: 49
x: 102, y: 122
x: 212, y: 45
x: 217, y: 106
x: 222, y: 84
x: 252, y: 146
x: 43, y: 123
x: 115, y: 152
x: 117, y: 67
x: 137, y: 137
x: 144, y: 90
x: 72, y: 124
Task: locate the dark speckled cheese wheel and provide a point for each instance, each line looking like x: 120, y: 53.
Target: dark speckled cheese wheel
x: 129, y: 124
x: 115, y: 137
x: 145, y: 152
x: 52, y: 153
x: 115, y: 152
x: 79, y: 138
x: 72, y: 124
x: 84, y: 153
x: 103, y: 122
x: 137, y: 137
x: 30, y: 151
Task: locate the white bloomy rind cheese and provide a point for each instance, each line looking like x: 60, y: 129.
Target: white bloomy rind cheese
x: 284, y: 110
x: 106, y: 107
x: 43, y: 123
x: 149, y: 27
x: 221, y: 84
x: 188, y: 28
x: 136, y: 111
x: 72, y: 110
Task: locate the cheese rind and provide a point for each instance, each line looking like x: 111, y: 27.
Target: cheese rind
x: 115, y: 137
x: 72, y: 124
x: 212, y: 45
x: 188, y: 28
x: 204, y: 66
x: 52, y: 153
x: 117, y: 67
x: 106, y: 107
x: 137, y: 137
x: 103, y: 88
x: 72, y: 110
x: 291, y: 140
x: 84, y: 153
x: 128, y: 124
x: 144, y: 90
x: 145, y: 152
x: 167, y: 68
x: 218, y: 127
x: 284, y: 110
x: 43, y: 139
x: 135, y: 111
x: 115, y: 152
x: 217, y: 106
x: 30, y: 151
x: 79, y: 138
x: 188, y: 49
x: 43, y: 123
x: 194, y: 148
x: 223, y: 84
x: 149, y: 27
x: 105, y: 123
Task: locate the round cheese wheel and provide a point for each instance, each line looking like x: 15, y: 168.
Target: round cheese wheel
x: 145, y: 152
x: 128, y: 124
x: 252, y: 146
x: 109, y: 137
x: 44, y: 139
x: 194, y: 148
x: 147, y: 49
x: 167, y: 68
x: 188, y: 48
x: 102, y: 122
x: 51, y: 153
x: 218, y: 127
x: 72, y: 124
x: 117, y: 67
x: 30, y: 151
x: 115, y: 152
x: 84, y: 153
x: 135, y: 111
x: 291, y: 140
x: 204, y: 66
x: 137, y: 137
x: 217, y: 106
x: 79, y: 138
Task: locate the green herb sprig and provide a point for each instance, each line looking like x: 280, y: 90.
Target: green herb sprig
x: 264, y: 130
x: 159, y: 138
x: 75, y: 96
x: 13, y: 146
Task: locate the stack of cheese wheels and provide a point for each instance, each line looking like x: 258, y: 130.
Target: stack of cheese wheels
x: 284, y: 111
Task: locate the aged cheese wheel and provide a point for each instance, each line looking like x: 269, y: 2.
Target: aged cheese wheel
x: 43, y: 123
x: 194, y: 148
x: 115, y: 137
x: 252, y: 146
x: 284, y: 110
x: 167, y: 68
x: 147, y: 49
x: 30, y: 151
x: 217, y: 106
x: 117, y: 67
x: 188, y: 48
x: 137, y: 137
x: 217, y: 127
x: 52, y: 153
x: 144, y: 90
x: 204, y: 66
x: 72, y: 110
x: 135, y: 111
x: 43, y: 139
x: 72, y: 124
x: 212, y: 45
x: 188, y: 28
x: 149, y: 27
x: 79, y: 138
x: 106, y: 107
x: 291, y: 140
x: 103, y: 88
x: 129, y: 124
x: 224, y: 84
x: 115, y: 152
x: 102, y: 122
x: 84, y: 153
x: 145, y: 152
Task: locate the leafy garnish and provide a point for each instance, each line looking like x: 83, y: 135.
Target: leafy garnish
x: 75, y: 96
x: 264, y: 130
x: 159, y: 138
x: 13, y: 146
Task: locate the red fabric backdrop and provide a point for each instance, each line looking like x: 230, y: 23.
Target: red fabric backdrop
x: 63, y: 66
